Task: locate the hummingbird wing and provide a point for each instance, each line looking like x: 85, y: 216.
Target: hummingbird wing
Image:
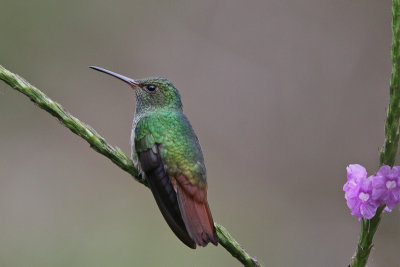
x: 165, y: 195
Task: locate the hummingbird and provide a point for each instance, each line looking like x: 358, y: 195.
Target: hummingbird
x: 166, y: 150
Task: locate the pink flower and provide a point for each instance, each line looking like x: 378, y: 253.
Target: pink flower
x: 355, y: 173
x: 386, y: 187
x: 358, y: 192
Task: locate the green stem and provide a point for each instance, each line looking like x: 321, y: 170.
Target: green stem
x: 389, y: 149
x: 99, y: 144
x: 237, y: 251
x: 368, y: 229
x: 390, y: 146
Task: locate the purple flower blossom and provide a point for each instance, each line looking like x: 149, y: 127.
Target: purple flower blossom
x: 358, y: 192
x: 355, y: 173
x: 386, y: 187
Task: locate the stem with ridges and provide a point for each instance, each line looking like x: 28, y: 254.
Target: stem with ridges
x: 389, y: 149
x: 99, y: 144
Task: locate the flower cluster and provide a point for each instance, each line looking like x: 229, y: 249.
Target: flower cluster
x: 365, y: 194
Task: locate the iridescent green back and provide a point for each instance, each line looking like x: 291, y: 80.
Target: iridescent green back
x: 179, y: 146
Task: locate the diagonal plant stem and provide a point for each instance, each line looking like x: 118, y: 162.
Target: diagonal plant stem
x: 389, y: 149
x: 99, y: 144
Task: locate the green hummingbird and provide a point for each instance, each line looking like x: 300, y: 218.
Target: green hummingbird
x: 166, y: 150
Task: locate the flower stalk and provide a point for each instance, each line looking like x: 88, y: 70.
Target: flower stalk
x: 390, y: 146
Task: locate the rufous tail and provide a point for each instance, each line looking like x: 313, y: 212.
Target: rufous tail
x: 196, y: 214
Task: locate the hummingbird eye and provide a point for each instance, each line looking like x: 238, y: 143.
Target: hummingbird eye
x: 151, y: 87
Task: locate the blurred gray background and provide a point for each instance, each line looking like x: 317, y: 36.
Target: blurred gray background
x: 282, y: 94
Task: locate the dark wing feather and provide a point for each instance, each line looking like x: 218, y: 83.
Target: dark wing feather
x: 160, y: 185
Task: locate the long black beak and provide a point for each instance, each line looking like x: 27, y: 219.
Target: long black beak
x: 129, y: 81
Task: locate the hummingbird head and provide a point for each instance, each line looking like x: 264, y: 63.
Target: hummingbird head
x: 153, y: 92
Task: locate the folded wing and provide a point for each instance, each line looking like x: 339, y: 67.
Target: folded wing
x: 165, y: 195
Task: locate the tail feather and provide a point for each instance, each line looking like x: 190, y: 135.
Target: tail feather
x: 196, y: 214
